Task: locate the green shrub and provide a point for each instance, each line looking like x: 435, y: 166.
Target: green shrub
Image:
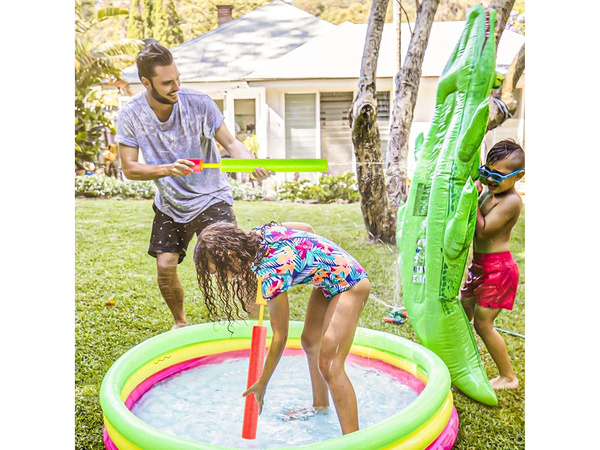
x: 328, y: 189
x: 105, y: 187
x: 247, y: 192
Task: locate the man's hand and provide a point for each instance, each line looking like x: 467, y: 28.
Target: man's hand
x: 262, y: 174
x: 181, y: 168
x: 258, y: 389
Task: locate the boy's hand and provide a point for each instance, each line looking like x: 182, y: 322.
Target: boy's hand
x: 479, y: 187
x: 259, y: 394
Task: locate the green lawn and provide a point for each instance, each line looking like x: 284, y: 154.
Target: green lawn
x: 112, y: 265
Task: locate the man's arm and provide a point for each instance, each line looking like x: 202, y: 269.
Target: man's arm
x: 135, y: 170
x: 237, y: 150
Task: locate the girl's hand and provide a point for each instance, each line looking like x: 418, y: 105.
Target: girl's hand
x: 258, y: 389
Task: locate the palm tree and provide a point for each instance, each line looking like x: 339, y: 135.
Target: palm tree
x: 96, y: 66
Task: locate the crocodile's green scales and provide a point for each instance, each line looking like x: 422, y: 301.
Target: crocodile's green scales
x: 437, y: 223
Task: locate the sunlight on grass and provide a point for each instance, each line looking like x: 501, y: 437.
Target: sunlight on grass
x: 112, y: 264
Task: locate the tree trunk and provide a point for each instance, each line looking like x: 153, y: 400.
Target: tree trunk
x: 379, y: 219
x: 503, y: 9
x: 502, y: 103
x: 406, y: 84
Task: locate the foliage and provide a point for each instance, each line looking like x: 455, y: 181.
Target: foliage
x: 135, y: 25
x: 96, y: 65
x: 200, y: 16
x: 247, y: 192
x: 252, y: 144
x: 328, y: 189
x: 112, y: 265
x: 101, y: 186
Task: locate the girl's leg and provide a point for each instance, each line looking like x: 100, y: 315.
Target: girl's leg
x: 484, y: 325
x: 340, y: 325
x: 311, y: 343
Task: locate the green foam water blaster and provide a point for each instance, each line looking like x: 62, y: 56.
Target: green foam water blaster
x: 437, y: 223
x: 276, y: 165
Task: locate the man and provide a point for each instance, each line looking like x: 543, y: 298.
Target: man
x: 170, y: 124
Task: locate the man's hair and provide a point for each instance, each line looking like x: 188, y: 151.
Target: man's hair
x: 507, y: 149
x: 151, y: 56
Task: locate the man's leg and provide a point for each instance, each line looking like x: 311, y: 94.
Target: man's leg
x: 484, y: 325
x: 170, y: 286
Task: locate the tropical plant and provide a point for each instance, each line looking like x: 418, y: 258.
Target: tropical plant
x: 96, y: 65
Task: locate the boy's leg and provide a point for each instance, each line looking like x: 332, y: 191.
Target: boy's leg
x: 312, y: 334
x: 170, y: 286
x: 468, y: 304
x: 340, y: 325
x: 484, y: 325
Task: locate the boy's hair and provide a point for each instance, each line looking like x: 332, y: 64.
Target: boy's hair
x: 151, y: 56
x: 230, y: 249
x: 507, y: 149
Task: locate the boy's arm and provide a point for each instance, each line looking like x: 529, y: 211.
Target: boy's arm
x: 279, y: 316
x: 134, y: 170
x: 298, y: 226
x: 506, y: 210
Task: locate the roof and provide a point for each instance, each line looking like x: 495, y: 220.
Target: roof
x: 338, y: 54
x: 239, y: 47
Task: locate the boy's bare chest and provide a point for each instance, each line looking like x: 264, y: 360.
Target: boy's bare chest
x: 487, y: 202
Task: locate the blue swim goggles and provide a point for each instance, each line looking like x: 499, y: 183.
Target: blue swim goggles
x: 495, y: 176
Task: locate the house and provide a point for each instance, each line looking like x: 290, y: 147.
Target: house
x: 290, y: 78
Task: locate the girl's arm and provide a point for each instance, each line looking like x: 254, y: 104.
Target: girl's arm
x: 279, y: 315
x: 299, y: 226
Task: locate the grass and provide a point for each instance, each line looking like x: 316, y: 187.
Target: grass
x: 112, y: 265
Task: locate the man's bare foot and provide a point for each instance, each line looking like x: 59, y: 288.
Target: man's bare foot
x: 178, y: 325
x: 504, y: 383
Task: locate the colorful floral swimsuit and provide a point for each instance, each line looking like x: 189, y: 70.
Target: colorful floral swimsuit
x: 298, y: 257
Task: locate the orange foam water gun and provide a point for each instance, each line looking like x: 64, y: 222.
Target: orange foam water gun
x: 255, y: 368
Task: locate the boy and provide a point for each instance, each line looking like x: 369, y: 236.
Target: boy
x: 493, y: 275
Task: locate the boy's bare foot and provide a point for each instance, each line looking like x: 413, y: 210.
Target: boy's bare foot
x: 504, y: 383
x: 178, y: 325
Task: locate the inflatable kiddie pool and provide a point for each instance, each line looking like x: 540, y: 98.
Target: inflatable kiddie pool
x: 429, y: 422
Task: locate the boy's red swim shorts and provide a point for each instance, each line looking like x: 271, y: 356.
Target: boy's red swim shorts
x: 492, y: 279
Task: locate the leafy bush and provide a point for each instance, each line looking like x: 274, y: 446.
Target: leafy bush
x: 328, y: 189
x: 105, y: 187
x: 247, y: 192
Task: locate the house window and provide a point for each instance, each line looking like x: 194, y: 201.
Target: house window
x: 245, y: 118
x: 300, y: 125
x: 336, y: 134
x: 219, y: 102
x: 383, y: 121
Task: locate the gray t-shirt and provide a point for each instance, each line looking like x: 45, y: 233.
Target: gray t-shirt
x: 188, y: 133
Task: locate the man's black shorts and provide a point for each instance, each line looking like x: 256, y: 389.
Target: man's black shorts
x: 169, y: 236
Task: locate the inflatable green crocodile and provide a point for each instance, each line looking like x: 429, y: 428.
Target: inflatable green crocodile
x: 437, y: 222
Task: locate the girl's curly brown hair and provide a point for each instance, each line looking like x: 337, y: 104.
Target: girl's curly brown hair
x: 231, y: 250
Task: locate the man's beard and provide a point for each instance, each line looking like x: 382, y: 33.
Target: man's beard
x: 159, y: 98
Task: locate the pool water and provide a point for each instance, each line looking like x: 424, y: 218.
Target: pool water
x: 205, y: 403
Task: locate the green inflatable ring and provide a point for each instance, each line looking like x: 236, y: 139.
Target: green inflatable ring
x: 402, y: 430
